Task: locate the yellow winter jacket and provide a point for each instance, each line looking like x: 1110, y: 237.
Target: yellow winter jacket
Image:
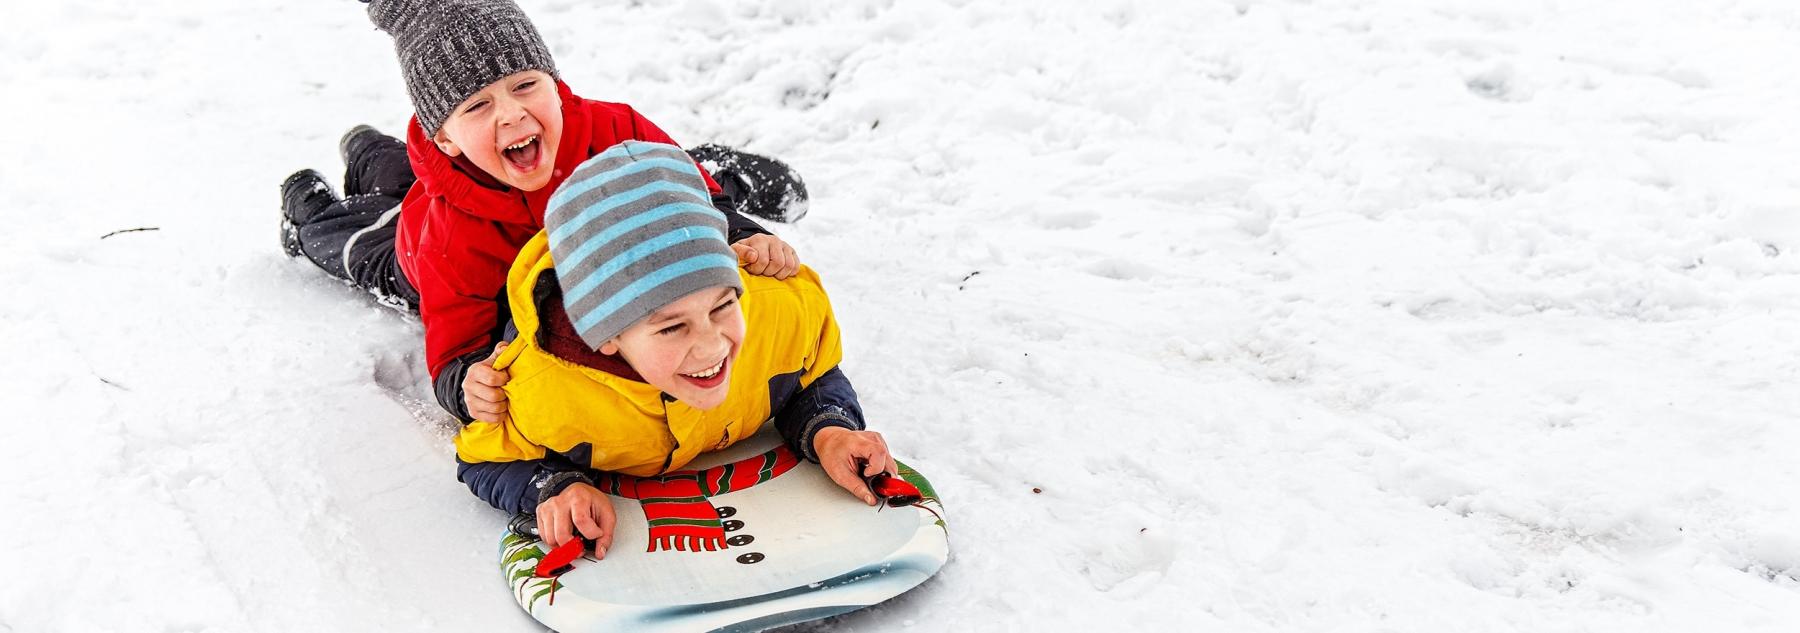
x: 621, y: 425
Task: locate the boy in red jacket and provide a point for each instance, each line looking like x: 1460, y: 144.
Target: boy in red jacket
x: 434, y: 224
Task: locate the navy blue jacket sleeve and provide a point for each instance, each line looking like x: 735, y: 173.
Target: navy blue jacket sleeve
x: 737, y: 225
x: 518, y: 486
x: 448, y: 385
x: 828, y: 401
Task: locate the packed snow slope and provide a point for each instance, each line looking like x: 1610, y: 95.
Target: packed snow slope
x: 1412, y: 315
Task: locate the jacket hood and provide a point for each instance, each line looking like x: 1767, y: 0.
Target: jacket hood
x: 537, y: 312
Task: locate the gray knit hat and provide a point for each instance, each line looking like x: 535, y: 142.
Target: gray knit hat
x: 449, y: 49
x: 632, y: 230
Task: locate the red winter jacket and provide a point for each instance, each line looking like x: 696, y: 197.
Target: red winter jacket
x: 457, y: 237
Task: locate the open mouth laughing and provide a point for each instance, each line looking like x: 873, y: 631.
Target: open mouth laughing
x: 709, y: 377
x: 525, y: 154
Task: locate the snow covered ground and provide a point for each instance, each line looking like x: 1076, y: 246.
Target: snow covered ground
x: 1412, y: 315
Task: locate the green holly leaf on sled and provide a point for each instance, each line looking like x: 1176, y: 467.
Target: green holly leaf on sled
x: 918, y: 481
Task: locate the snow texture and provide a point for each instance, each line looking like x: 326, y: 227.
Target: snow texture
x: 1328, y: 315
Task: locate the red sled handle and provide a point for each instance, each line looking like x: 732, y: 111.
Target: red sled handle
x: 893, y: 491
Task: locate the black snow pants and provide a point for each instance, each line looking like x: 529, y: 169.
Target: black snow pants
x: 353, y: 238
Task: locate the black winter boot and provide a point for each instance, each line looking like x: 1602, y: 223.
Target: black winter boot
x: 759, y: 185
x: 354, y: 139
x: 303, y: 195
x: 374, y: 163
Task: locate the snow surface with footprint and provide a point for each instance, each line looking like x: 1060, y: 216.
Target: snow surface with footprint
x: 1475, y: 315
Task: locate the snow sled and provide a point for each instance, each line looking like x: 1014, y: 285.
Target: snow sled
x: 745, y: 539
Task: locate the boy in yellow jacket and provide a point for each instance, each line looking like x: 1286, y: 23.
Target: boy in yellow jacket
x: 641, y: 344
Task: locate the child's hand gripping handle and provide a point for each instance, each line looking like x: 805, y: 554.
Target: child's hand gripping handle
x: 892, y: 490
x: 850, y: 457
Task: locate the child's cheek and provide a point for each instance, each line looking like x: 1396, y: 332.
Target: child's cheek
x: 668, y: 361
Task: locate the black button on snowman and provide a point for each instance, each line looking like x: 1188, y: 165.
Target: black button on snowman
x: 738, y: 540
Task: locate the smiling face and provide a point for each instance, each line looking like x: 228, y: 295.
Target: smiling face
x: 686, y: 348
x: 510, y: 129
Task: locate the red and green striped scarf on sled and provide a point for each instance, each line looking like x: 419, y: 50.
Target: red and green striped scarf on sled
x: 676, y: 504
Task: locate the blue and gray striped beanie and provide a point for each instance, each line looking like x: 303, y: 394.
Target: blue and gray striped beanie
x: 632, y: 230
